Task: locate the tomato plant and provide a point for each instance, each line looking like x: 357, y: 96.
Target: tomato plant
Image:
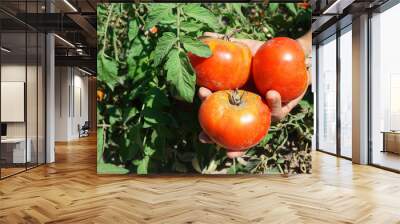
x: 147, y: 117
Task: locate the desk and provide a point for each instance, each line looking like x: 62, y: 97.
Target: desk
x: 16, y: 148
x: 391, y: 141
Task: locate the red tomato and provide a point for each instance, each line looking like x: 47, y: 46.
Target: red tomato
x: 153, y: 30
x: 236, y: 120
x: 227, y: 68
x: 303, y: 5
x: 100, y: 95
x: 280, y: 65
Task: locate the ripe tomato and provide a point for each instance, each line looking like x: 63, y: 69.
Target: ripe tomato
x: 100, y: 95
x: 227, y: 68
x: 153, y: 30
x: 279, y: 65
x: 236, y: 120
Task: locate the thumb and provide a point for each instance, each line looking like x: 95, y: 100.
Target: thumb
x: 275, y: 104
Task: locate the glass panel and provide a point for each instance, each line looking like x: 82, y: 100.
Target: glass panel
x: 41, y: 99
x: 31, y: 98
x: 346, y: 92
x: 385, y: 84
x: 13, y: 87
x: 32, y: 87
x: 327, y: 95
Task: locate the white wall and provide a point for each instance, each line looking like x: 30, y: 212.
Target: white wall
x: 70, y: 83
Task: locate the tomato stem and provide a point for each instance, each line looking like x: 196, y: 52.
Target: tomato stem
x: 229, y: 35
x: 235, y: 99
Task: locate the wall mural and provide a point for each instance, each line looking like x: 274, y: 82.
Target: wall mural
x: 213, y: 88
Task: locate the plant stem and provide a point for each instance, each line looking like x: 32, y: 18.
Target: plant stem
x: 138, y: 15
x: 140, y: 116
x: 106, y: 27
x: 178, y: 24
x: 116, y: 54
x: 234, y: 165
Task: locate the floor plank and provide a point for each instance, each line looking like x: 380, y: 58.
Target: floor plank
x: 70, y: 191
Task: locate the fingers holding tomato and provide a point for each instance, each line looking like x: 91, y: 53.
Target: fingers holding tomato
x: 278, y: 74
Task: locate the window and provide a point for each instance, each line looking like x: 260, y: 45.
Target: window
x: 327, y: 95
x: 346, y: 95
x: 385, y: 89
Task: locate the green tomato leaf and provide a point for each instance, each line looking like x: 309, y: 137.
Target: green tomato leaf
x: 108, y: 168
x: 107, y: 70
x: 292, y: 8
x: 149, y: 151
x: 304, y: 104
x: 164, y: 45
x: 265, y: 140
x: 153, y: 117
x: 133, y: 29
x: 135, y: 49
x: 158, y: 13
x: 143, y: 165
x: 181, y: 75
x: 129, y: 113
x: 196, y: 47
x: 156, y: 98
x: 272, y: 7
x: 199, y: 13
x: 191, y: 26
x: 238, y: 9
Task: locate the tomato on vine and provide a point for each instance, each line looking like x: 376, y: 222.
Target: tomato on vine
x: 153, y: 30
x: 100, y: 95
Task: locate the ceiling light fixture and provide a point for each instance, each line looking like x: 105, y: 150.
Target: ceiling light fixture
x: 70, y: 5
x: 64, y: 40
x: 5, y: 50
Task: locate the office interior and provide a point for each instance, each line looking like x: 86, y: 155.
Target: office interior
x: 47, y: 93
x: 355, y: 66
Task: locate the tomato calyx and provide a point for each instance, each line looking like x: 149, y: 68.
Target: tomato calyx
x: 229, y: 35
x: 235, y: 98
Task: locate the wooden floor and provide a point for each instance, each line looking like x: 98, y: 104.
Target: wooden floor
x: 70, y: 191
x: 387, y: 159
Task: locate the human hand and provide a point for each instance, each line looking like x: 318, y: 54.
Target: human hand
x: 278, y: 110
x: 203, y: 94
x: 273, y: 98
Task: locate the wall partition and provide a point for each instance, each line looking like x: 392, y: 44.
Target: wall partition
x: 22, y: 78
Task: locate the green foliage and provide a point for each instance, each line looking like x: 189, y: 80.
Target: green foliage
x: 148, y: 118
